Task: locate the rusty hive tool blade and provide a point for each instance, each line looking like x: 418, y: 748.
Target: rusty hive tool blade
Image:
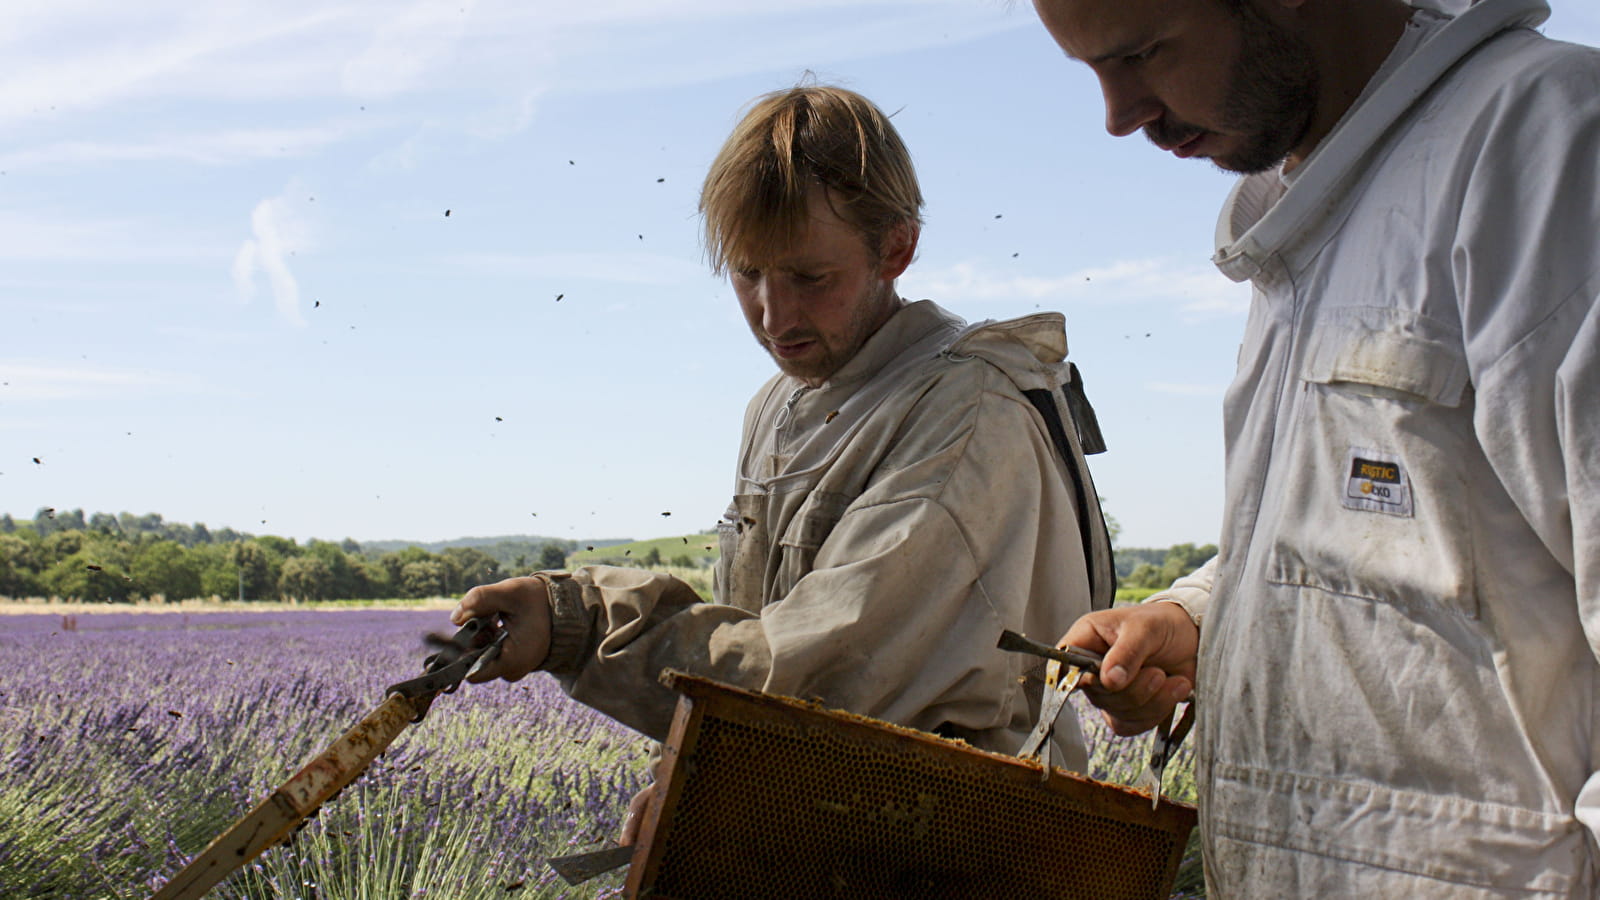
x: 577, y: 868
x: 1072, y: 656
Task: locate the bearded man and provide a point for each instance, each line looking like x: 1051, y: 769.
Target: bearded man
x: 1396, y: 653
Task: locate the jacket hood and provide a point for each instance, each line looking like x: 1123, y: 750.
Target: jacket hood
x: 1251, y: 229
x: 1030, y: 350
x: 1043, y: 336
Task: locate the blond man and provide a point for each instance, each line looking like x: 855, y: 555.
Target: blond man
x: 908, y: 485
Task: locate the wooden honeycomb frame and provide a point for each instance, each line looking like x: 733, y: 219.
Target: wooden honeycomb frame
x: 764, y: 796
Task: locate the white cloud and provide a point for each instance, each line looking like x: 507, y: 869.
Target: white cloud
x: 45, y: 238
x: 404, y: 156
x: 212, y: 149
x: 277, y: 232
x: 644, y: 45
x: 406, y: 47
x: 493, y: 121
x: 1198, y: 291
x: 30, y: 381
x: 73, y: 56
x: 508, y: 118
x: 90, y: 55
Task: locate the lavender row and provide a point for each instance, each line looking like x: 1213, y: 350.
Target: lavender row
x: 129, y: 741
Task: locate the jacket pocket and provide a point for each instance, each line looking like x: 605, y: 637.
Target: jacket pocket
x: 1374, y: 496
x: 806, y: 533
x: 742, y: 540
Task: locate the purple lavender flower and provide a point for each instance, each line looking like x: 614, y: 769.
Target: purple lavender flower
x: 135, y: 738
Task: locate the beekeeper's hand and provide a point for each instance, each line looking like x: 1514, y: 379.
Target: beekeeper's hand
x: 1149, y: 664
x: 522, y: 607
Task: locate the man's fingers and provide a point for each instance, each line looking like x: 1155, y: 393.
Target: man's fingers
x: 484, y: 600
x: 1143, y: 704
x: 1139, y: 636
x: 1173, y: 691
x: 1151, y: 635
x: 522, y: 608
x: 1096, y: 631
x: 1177, y: 689
x: 1141, y: 692
x: 1130, y: 727
x: 1122, y: 661
x: 1121, y: 637
x: 636, y: 811
x: 1143, y: 700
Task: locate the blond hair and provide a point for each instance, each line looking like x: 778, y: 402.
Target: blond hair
x: 754, y: 197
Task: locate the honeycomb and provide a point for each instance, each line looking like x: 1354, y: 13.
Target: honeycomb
x: 768, y: 797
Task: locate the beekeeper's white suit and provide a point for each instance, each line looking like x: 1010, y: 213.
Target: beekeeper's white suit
x: 1398, y: 680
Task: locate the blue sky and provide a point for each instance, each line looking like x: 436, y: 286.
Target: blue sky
x: 230, y: 291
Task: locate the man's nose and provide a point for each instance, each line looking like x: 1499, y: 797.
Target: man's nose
x: 780, y: 308
x: 1129, y: 104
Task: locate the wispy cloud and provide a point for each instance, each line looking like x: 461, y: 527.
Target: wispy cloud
x: 57, y: 64
x: 407, y: 46
x: 624, y: 46
x: 1198, y: 291
x: 212, y: 149
x: 43, y: 381
x: 76, y: 56
x: 47, y: 238
x: 277, y: 232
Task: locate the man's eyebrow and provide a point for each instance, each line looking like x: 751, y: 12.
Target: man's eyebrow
x: 1126, y: 48
x: 794, y: 264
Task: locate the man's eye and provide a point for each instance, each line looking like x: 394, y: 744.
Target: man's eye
x: 807, y: 278
x: 1142, y: 56
x: 747, y: 274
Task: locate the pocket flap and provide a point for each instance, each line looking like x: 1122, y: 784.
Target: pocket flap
x: 1391, y: 349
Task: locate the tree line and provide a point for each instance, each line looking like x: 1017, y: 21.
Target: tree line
x: 106, y: 558
x: 1150, y: 567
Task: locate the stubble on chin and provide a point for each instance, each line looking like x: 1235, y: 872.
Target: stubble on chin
x: 1272, y: 98
x: 808, y: 369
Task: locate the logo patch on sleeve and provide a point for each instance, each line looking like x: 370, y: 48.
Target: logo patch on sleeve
x: 1377, y: 483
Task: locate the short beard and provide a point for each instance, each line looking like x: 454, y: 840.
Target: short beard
x: 877, y: 306
x: 1272, y: 94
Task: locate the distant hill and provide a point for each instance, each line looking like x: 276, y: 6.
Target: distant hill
x: 481, y: 542
x: 698, y: 549
x: 511, y: 551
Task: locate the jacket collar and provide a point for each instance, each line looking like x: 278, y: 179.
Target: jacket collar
x: 908, y: 327
x: 1252, y: 229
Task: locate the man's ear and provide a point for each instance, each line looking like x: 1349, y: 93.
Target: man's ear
x: 899, y: 248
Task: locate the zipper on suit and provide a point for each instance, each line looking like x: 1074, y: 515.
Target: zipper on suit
x: 781, y: 420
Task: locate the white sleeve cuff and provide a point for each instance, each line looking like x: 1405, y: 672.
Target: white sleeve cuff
x: 1588, y: 806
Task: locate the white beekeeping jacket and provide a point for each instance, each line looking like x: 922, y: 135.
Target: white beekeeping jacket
x: 1400, y: 649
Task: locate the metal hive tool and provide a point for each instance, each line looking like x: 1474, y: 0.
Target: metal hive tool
x: 764, y: 796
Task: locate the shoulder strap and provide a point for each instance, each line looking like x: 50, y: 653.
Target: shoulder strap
x: 1085, y: 440
x: 1083, y: 417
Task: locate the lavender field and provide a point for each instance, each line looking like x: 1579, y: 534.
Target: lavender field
x: 129, y: 740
